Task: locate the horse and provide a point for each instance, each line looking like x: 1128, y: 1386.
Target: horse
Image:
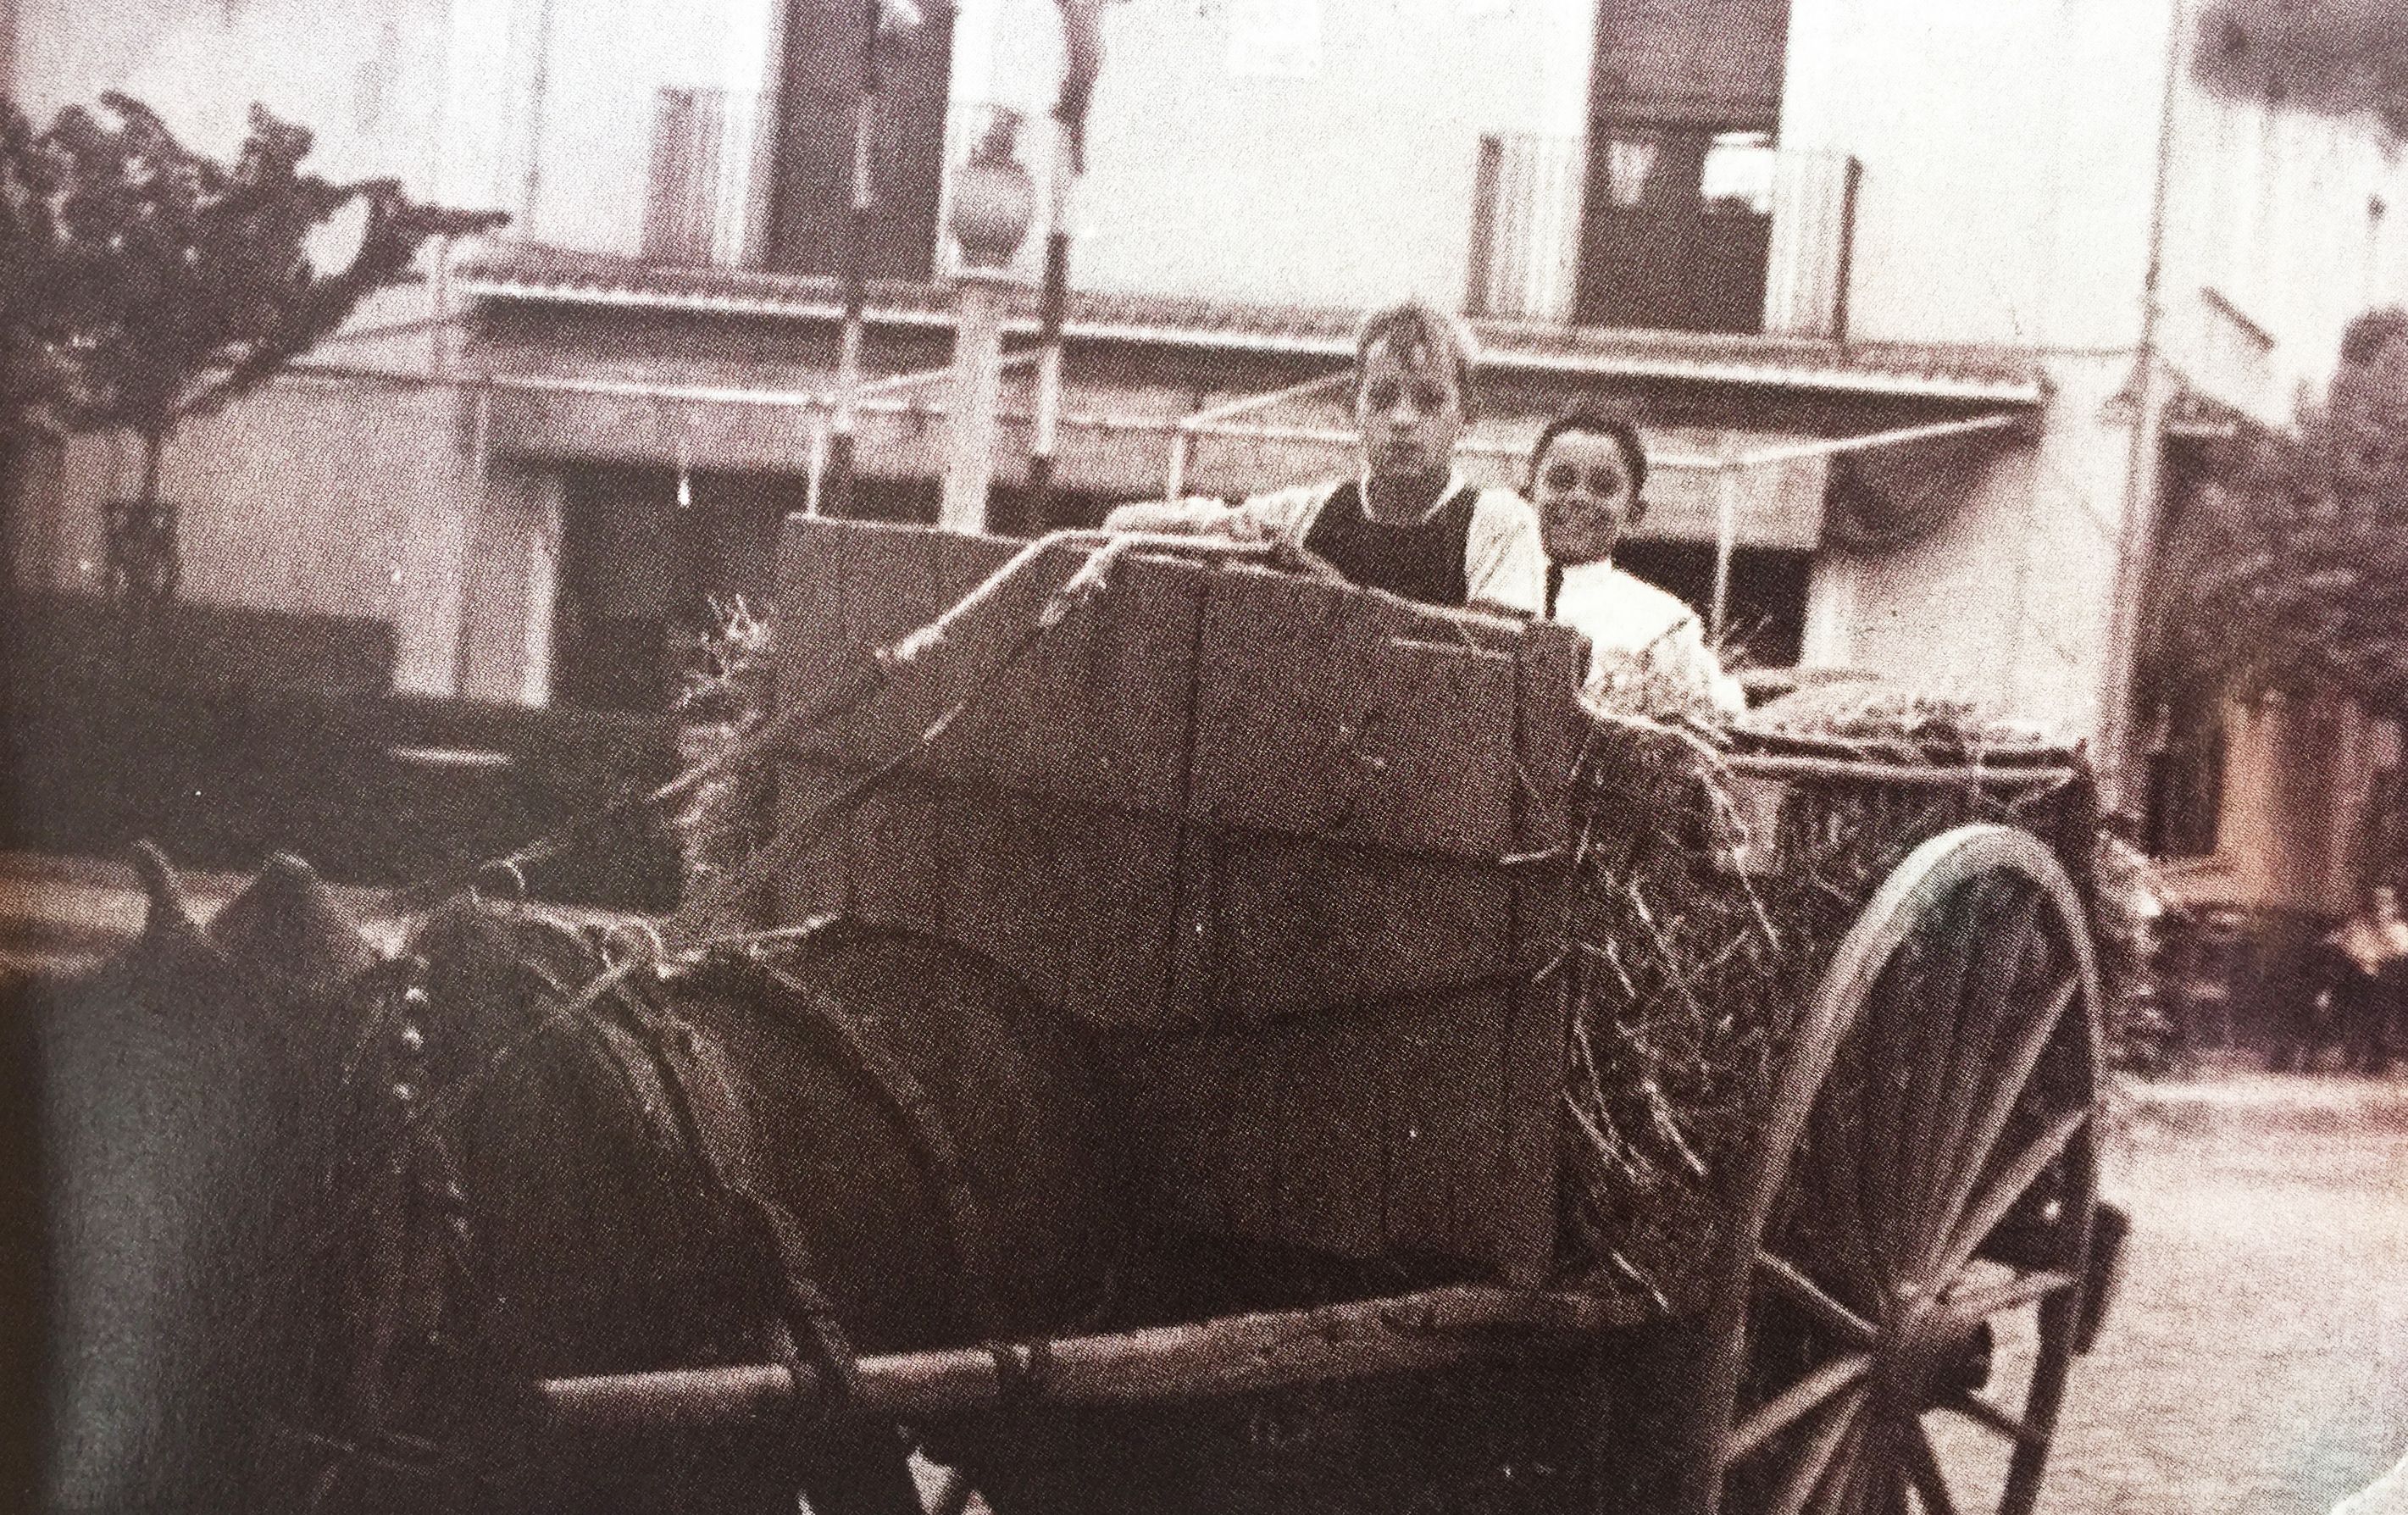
x: 154, y: 1097
x: 320, y: 1214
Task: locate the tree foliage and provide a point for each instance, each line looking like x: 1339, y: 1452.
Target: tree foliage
x: 2289, y: 575
x: 144, y: 283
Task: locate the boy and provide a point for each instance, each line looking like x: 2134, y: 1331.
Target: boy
x: 1645, y: 646
x: 1407, y: 524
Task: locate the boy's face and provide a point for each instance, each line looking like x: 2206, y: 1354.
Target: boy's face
x: 1409, y: 412
x: 1582, y: 487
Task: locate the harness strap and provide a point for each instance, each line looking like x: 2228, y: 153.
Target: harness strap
x: 800, y: 1322
x: 804, y: 1331
x: 925, y: 1128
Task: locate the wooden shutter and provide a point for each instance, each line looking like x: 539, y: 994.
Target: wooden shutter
x: 1703, y: 62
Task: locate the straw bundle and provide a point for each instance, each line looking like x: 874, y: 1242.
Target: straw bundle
x: 1703, y: 906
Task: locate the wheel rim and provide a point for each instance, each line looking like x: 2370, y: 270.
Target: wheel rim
x: 1920, y: 1199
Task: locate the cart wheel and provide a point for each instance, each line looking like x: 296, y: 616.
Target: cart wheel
x: 1917, y: 1214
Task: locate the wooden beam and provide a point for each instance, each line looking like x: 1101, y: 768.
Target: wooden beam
x: 1236, y: 1355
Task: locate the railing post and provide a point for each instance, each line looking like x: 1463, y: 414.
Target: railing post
x: 1487, y: 175
x: 985, y: 295
x: 1175, y: 477
x: 1854, y: 175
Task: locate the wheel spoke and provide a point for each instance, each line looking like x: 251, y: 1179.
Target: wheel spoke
x: 1817, y: 1302
x: 1793, y: 1403
x: 1840, y: 1424
x: 1943, y: 991
x: 1866, y: 1484
x: 2021, y: 953
x: 1980, y: 1305
x: 1981, y: 1412
x: 1923, y: 1466
x: 1884, y: 1098
x: 2010, y: 1185
x: 1831, y: 1158
x: 1966, y: 1163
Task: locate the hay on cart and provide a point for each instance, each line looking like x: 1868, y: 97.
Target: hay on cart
x: 1704, y: 904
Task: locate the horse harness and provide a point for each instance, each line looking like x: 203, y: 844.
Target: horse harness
x: 394, y: 1206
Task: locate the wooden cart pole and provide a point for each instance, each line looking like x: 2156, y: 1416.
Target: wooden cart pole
x: 1237, y: 1354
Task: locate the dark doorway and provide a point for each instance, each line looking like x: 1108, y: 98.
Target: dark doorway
x: 1683, y: 98
x: 645, y: 575
x: 1765, y: 621
x: 812, y: 191
x: 1677, y: 225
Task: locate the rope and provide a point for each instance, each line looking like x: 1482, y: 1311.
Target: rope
x: 881, y: 667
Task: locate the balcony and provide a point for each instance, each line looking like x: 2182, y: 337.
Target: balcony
x: 703, y: 205
x: 1668, y: 229
x: 699, y: 208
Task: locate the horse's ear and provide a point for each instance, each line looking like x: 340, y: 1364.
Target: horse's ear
x: 287, y: 925
x: 168, y: 912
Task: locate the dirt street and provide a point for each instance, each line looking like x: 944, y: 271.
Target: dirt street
x: 2258, y: 1358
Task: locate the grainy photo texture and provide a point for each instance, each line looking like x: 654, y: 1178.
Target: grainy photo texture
x: 1251, y: 757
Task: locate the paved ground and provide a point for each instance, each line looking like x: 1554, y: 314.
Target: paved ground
x: 2258, y: 1358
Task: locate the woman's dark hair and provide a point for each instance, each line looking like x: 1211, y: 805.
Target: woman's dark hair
x: 1602, y: 421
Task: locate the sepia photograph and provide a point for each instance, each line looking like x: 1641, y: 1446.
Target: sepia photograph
x: 1203, y: 757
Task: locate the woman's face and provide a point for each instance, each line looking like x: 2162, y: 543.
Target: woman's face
x: 1582, y: 487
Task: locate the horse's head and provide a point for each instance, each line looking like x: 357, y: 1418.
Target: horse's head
x: 520, y: 1185
x: 168, y: 1085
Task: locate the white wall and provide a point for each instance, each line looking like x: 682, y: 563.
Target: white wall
x: 555, y: 103
x: 338, y: 499
x: 2268, y: 209
x: 2008, y: 603
x: 2007, y: 149
x: 1345, y: 183
x: 368, y: 77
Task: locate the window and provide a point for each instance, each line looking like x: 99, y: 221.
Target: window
x: 1738, y: 177
x: 1677, y: 228
x: 1628, y: 162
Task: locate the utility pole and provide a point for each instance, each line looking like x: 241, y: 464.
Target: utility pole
x: 878, y: 16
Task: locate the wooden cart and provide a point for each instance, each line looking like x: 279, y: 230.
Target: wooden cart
x: 1293, y: 857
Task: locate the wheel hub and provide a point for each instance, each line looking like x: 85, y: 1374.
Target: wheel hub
x: 1929, y: 1353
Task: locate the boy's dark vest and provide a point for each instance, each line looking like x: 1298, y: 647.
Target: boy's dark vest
x: 1423, y: 561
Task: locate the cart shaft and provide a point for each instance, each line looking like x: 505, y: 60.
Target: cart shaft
x: 1235, y: 1354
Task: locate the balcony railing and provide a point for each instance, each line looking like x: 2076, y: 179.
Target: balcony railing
x: 698, y: 203
x: 1720, y: 233
x: 1525, y: 226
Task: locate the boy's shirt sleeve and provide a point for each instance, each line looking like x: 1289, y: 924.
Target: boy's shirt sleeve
x: 1281, y: 515
x: 1504, y: 566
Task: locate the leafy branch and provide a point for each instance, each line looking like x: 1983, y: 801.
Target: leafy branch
x: 2289, y: 575
x: 142, y: 283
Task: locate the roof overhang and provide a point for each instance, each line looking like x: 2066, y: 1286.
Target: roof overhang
x: 1958, y: 376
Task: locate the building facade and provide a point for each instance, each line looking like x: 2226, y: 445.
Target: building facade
x: 1925, y: 308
